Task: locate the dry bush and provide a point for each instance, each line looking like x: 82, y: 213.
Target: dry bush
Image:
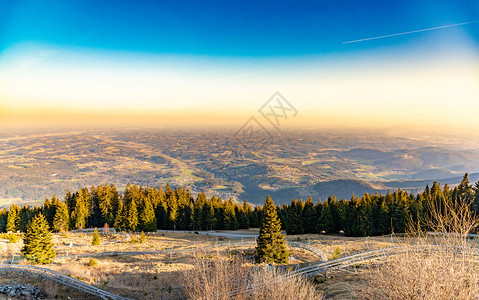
x: 274, y: 287
x: 77, y: 270
x: 220, y: 278
x: 435, y: 266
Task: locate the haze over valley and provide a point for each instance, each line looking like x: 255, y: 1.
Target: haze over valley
x: 292, y: 164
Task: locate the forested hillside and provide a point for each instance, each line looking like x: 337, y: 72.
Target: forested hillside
x: 152, y: 208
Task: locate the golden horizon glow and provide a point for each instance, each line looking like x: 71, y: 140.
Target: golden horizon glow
x: 437, y: 93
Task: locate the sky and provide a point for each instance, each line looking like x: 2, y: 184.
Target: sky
x: 170, y: 63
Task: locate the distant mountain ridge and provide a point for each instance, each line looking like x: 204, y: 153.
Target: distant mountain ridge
x: 407, y: 184
x: 345, y: 188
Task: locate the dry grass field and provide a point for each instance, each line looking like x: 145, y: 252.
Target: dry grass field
x: 121, y: 266
x: 146, y: 276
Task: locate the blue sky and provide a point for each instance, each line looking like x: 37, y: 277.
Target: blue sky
x: 227, y: 28
x: 167, y: 55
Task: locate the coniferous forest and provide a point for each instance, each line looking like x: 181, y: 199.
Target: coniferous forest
x: 150, y: 208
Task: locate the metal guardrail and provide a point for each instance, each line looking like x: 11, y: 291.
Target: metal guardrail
x: 90, y: 289
x: 61, y: 279
x: 372, y: 255
x: 354, y: 259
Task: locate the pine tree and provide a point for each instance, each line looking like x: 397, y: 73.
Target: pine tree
x: 209, y: 216
x: 133, y: 216
x: 231, y: 222
x: 147, y: 217
x: 61, y: 219
x: 49, y: 210
x: 25, y: 215
x: 121, y: 218
x: 309, y: 216
x: 172, y: 210
x: 294, y: 217
x: 3, y: 220
x: 325, y: 220
x: 38, y: 246
x: 475, y: 203
x: 12, y: 219
x: 465, y: 191
x: 271, y: 246
x: 80, y: 211
x: 95, y: 241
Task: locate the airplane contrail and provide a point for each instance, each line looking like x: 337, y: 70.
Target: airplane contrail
x: 409, y: 32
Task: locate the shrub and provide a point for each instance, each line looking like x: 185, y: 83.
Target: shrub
x: 440, y: 266
x: 219, y: 279
x: 92, y: 262
x: 96, y: 238
x: 336, y: 254
x: 11, y: 237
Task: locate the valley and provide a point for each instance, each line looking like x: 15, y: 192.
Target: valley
x: 292, y: 164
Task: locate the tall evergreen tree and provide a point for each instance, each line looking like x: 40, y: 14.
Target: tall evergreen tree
x: 464, y: 190
x: 80, y: 213
x: 172, y: 210
x: 147, y: 218
x: 271, y: 245
x: 3, y: 219
x: 38, y: 246
x: 231, y: 221
x: 61, y: 219
x: 475, y: 203
x: 295, y: 217
x: 121, y: 219
x: 309, y: 216
x: 132, y: 216
x: 12, y: 219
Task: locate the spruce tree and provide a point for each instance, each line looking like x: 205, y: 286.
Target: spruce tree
x: 38, y: 246
x: 172, y: 210
x: 121, y: 218
x: 3, y: 220
x: 132, y: 216
x: 95, y: 241
x: 309, y: 216
x: 465, y: 191
x: 12, y: 219
x: 80, y: 212
x: 475, y: 203
x: 271, y: 246
x: 147, y: 218
x: 61, y: 219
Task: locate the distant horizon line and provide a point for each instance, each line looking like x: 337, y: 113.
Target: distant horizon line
x: 399, y: 129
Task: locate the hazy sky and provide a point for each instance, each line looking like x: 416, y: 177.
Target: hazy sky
x: 217, y: 62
